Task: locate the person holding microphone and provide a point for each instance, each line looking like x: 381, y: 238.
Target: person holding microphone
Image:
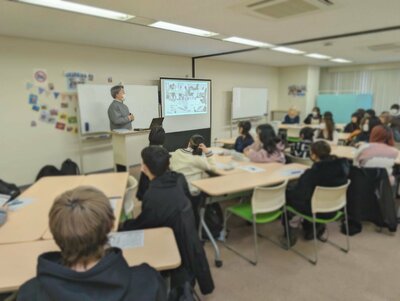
x: 118, y: 112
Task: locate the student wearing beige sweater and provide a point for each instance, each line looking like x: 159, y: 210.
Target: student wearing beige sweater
x: 196, y: 158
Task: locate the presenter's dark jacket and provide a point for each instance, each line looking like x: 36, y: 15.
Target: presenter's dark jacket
x: 166, y: 204
x: 118, y: 116
x: 111, y: 279
x: 241, y: 143
x: 288, y: 120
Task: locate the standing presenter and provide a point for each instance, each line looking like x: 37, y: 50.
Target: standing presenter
x: 118, y: 112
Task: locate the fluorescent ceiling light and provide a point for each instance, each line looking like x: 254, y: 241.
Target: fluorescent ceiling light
x: 288, y: 50
x: 80, y: 8
x: 184, y: 29
x: 318, y: 56
x: 247, y: 42
x: 340, y: 61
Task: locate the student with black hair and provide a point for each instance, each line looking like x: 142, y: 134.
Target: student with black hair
x: 268, y: 148
x: 244, y: 139
x: 167, y: 204
x: 196, y: 157
x: 315, y: 116
x: 353, y: 125
x: 157, y: 138
x: 327, y: 171
x: 395, y: 121
x: 301, y: 148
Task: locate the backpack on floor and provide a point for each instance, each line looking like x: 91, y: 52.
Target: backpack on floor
x: 9, y: 189
x: 47, y: 171
x: 214, y: 219
x: 69, y: 167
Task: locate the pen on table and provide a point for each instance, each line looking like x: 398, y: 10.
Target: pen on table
x: 115, y: 197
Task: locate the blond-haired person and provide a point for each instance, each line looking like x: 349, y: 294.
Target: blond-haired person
x: 292, y: 117
x: 87, y: 268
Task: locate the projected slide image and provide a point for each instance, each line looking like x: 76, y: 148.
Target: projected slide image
x: 185, y: 98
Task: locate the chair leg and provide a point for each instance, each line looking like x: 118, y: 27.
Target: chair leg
x: 253, y: 262
x: 286, y: 228
x: 347, y: 230
x: 255, y: 241
x: 315, y: 242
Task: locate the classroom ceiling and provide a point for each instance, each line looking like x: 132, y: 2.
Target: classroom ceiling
x: 271, y: 21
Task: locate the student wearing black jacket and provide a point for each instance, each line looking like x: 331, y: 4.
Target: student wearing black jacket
x: 314, y: 118
x: 156, y: 137
x: 86, y: 269
x: 328, y: 171
x: 166, y: 203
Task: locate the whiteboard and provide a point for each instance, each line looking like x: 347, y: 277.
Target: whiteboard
x: 94, y: 100
x: 249, y: 102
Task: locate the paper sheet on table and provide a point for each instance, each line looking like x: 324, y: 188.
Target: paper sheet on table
x: 113, y: 203
x: 19, y: 203
x: 225, y: 166
x: 251, y: 168
x: 127, y: 240
x: 291, y: 172
x: 3, y: 199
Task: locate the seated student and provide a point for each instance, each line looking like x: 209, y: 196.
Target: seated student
x: 244, y: 139
x: 361, y: 113
x: 327, y: 171
x: 195, y: 158
x: 353, y: 125
x: 156, y: 137
x: 373, y: 119
x: 268, y: 148
x: 367, y: 124
x: 166, y: 204
x: 315, y: 117
x: 327, y: 129
x: 87, y: 268
x: 385, y: 118
x: 301, y: 149
x: 395, y: 121
x: 292, y: 117
x: 379, y: 152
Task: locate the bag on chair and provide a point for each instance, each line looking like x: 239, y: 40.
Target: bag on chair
x: 214, y: 219
x: 48, y: 171
x: 9, y: 189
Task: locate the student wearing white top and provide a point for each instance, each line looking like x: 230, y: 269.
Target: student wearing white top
x: 193, y: 159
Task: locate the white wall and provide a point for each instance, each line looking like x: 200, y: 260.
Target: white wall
x: 24, y: 150
x: 299, y: 75
x: 225, y: 76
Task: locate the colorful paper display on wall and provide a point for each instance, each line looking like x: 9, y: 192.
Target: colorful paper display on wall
x: 297, y: 90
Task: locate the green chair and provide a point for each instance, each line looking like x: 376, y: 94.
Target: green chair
x: 325, y: 200
x: 267, y: 205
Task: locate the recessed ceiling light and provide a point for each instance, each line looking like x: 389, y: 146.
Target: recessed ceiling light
x: 340, y: 61
x: 318, y: 56
x: 288, y: 50
x: 184, y: 29
x: 80, y: 8
x: 247, y: 42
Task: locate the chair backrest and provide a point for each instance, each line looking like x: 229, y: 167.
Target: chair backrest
x: 293, y: 132
x: 268, y: 199
x: 329, y: 199
x: 191, y: 176
x: 128, y: 197
x: 305, y: 161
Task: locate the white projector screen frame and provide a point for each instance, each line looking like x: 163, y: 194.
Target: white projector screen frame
x: 194, y: 119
